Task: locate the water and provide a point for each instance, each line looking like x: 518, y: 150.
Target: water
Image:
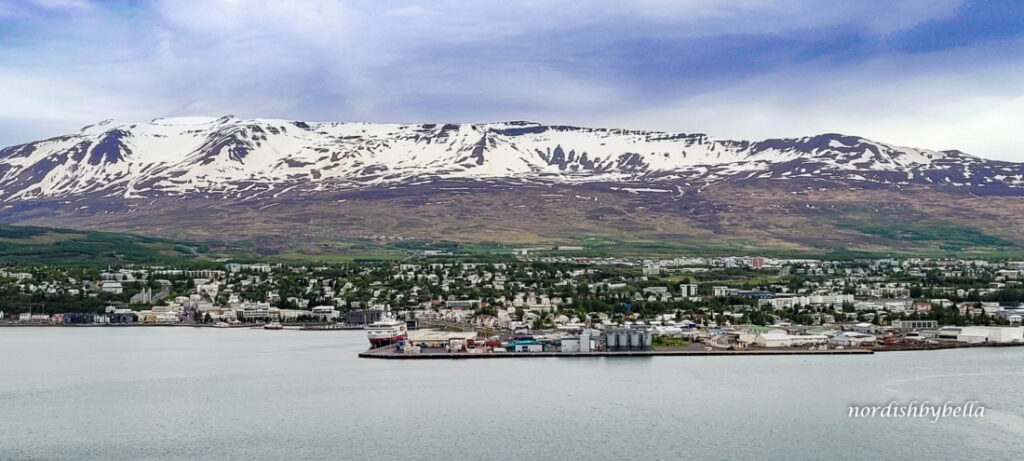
x: 183, y: 393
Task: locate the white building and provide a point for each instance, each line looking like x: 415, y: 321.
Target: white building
x: 688, y: 289
x: 990, y: 335
x: 111, y: 286
x: 652, y: 269
x: 529, y: 348
x: 324, y: 313
x: 852, y: 338
x: 772, y: 339
x: 255, y: 311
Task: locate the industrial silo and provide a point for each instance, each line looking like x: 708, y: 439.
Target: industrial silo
x: 610, y: 341
x: 623, y: 340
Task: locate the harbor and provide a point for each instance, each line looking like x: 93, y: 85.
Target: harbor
x: 391, y: 353
x: 635, y: 342
x: 390, y: 340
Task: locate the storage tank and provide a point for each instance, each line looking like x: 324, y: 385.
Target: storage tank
x: 611, y: 341
x: 647, y: 341
x: 623, y: 340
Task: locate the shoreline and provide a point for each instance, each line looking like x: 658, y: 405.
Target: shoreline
x: 386, y: 353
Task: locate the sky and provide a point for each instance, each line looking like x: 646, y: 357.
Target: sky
x: 939, y: 74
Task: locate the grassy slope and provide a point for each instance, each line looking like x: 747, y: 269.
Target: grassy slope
x: 840, y: 222
x: 25, y: 245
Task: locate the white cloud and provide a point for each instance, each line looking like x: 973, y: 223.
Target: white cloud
x: 449, y: 60
x: 715, y: 17
x: 949, y: 100
x: 63, y: 4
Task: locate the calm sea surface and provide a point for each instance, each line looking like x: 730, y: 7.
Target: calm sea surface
x: 184, y: 393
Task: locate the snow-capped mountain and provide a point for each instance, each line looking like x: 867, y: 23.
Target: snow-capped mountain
x: 239, y: 158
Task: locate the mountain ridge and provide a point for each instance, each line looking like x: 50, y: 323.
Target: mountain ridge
x: 229, y: 156
x: 322, y: 185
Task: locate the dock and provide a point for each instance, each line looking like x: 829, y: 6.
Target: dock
x: 389, y: 353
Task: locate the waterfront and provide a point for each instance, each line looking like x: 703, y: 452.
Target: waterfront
x: 184, y: 393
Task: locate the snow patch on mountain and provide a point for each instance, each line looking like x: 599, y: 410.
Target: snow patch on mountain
x: 232, y: 156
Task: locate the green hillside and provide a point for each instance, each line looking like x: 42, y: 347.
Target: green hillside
x: 19, y: 245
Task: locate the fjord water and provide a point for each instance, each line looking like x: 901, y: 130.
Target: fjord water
x: 184, y: 393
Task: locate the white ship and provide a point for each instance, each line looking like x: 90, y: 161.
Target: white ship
x: 386, y: 331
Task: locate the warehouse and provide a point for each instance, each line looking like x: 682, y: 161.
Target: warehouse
x: 999, y: 335
x: 440, y: 338
x: 786, y: 340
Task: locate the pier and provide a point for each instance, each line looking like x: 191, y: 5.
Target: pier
x: 389, y: 353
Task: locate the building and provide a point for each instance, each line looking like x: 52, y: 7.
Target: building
x: 525, y: 346
x: 440, y: 338
x: 363, y: 317
x: 324, y: 313
x: 688, y: 289
x: 256, y: 311
x: 854, y: 339
x: 462, y: 304
x: 1001, y: 335
x: 776, y: 339
x: 720, y: 291
x: 915, y: 324
x: 633, y: 339
x: 235, y: 267
x: 112, y: 286
x: 143, y: 297
x: 581, y: 343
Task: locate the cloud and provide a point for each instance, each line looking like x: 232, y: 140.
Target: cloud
x: 739, y: 68
x: 63, y: 4
x: 913, y: 100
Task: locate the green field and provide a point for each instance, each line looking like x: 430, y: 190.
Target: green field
x: 26, y: 245
x: 41, y: 245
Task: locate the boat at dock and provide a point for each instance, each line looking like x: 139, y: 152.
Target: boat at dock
x: 273, y: 326
x: 386, y: 331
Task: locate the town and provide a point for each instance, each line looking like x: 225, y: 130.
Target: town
x: 536, y: 304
